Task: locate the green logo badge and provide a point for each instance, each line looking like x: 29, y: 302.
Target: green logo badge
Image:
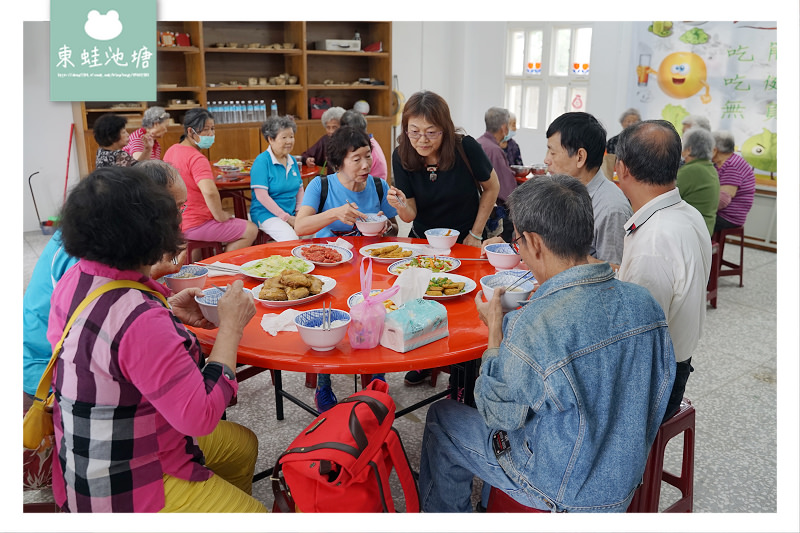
x: 103, y: 50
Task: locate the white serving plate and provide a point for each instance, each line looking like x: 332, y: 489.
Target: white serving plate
x: 347, y: 255
x: 469, y: 286
x: 327, y: 286
x: 405, y: 246
x: 402, y: 264
x: 243, y: 268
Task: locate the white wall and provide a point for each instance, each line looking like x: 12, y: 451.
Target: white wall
x: 464, y: 63
x: 45, y: 132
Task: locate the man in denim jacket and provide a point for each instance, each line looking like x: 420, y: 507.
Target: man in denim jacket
x: 573, y: 385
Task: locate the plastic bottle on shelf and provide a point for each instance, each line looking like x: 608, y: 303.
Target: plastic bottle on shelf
x: 262, y: 111
x: 273, y: 108
x: 237, y: 110
x: 224, y: 112
x: 251, y: 117
x: 212, y: 108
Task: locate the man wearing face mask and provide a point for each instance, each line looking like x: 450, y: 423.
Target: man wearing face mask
x: 204, y: 219
x: 498, y: 130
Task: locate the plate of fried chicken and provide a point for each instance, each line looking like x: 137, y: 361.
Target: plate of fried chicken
x: 292, y: 287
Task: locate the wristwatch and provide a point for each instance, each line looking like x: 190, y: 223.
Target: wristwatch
x: 227, y: 372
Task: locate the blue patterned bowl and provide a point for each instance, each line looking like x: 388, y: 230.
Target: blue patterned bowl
x: 309, y: 325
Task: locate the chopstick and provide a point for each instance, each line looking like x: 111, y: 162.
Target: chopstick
x: 362, y: 219
x: 217, y: 267
x: 519, y: 281
x: 326, y: 317
x: 464, y: 258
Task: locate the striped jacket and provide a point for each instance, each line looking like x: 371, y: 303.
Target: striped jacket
x: 130, y: 396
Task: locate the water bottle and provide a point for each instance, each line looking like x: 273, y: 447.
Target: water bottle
x: 262, y: 111
x: 237, y: 111
x: 225, y: 112
x: 273, y: 109
x: 251, y: 117
x: 212, y: 108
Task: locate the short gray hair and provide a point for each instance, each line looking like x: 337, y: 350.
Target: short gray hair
x: 697, y: 120
x: 332, y: 113
x: 724, y: 142
x: 699, y: 142
x: 355, y: 119
x: 154, y: 115
x: 495, y: 118
x: 559, y: 209
x: 273, y: 126
x: 161, y: 172
x: 628, y: 112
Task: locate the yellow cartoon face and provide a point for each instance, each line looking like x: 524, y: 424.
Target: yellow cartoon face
x: 682, y: 74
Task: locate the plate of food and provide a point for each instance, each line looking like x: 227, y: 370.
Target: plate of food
x: 292, y: 288
x: 449, y: 286
x: 323, y: 254
x: 387, y: 252
x: 229, y: 164
x: 274, y: 265
x: 358, y: 297
x: 432, y: 263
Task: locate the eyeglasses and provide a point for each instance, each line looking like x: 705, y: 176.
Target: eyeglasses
x: 182, y: 209
x: 514, y: 244
x: 430, y: 135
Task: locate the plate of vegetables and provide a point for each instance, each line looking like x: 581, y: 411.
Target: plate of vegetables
x: 273, y: 265
x: 432, y: 263
x: 450, y: 286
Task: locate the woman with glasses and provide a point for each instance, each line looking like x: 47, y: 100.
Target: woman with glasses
x: 351, y: 192
x: 443, y: 178
x: 204, y: 219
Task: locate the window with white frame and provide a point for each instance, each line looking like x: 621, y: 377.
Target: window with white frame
x: 547, y: 71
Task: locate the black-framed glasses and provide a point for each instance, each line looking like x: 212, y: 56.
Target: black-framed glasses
x: 430, y: 135
x: 514, y: 244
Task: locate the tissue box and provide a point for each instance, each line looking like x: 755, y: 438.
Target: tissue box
x: 416, y: 323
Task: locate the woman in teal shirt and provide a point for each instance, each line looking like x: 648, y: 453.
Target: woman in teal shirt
x: 275, y: 181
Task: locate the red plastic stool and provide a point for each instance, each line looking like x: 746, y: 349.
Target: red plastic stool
x: 713, y: 277
x: 206, y: 248
x: 728, y: 268
x: 500, y: 502
x: 649, y: 493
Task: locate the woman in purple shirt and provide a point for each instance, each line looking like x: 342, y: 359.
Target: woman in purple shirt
x: 737, y: 183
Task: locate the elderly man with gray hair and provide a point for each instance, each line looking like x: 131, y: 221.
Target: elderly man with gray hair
x: 695, y: 120
x: 698, y: 182
x: 737, y: 182
x: 316, y: 154
x: 498, y: 130
x: 143, y: 143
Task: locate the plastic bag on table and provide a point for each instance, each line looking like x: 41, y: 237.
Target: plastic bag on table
x: 367, y: 316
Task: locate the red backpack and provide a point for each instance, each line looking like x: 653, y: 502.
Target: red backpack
x: 342, y: 461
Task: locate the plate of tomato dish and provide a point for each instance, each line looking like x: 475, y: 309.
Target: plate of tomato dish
x: 323, y: 254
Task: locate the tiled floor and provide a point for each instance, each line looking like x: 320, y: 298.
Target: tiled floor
x: 733, y: 390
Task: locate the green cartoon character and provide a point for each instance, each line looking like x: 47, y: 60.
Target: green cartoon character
x: 761, y: 151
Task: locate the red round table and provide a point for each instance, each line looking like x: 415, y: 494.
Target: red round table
x: 286, y: 351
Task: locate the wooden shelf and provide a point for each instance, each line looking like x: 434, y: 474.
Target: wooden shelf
x: 189, y: 70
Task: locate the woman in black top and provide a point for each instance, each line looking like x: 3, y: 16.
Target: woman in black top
x: 443, y: 179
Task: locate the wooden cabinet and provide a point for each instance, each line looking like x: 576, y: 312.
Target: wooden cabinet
x: 213, y: 71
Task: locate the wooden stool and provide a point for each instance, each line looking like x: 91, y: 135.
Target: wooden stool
x: 729, y: 268
x: 648, y: 494
x: 500, y: 502
x: 206, y: 248
x: 713, y: 277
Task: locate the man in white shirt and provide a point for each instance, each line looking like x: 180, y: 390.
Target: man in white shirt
x: 667, y: 245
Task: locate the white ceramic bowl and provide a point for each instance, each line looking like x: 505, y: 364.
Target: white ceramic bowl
x: 440, y: 238
x: 188, y: 276
x: 309, y: 325
x: 510, y: 300
x: 372, y: 224
x: 502, y: 256
x: 208, y: 303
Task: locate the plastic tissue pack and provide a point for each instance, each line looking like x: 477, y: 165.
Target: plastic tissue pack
x: 416, y: 323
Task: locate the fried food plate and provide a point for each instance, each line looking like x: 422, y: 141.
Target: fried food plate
x: 346, y: 254
x: 275, y: 264
x: 438, y: 265
x: 327, y: 286
x: 469, y: 286
x: 406, y: 247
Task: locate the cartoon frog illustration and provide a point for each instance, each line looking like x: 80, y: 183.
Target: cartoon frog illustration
x: 761, y: 151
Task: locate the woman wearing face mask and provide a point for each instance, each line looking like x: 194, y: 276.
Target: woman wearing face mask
x: 204, y: 219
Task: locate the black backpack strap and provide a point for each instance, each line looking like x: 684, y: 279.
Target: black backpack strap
x: 323, y: 194
x: 379, y: 188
